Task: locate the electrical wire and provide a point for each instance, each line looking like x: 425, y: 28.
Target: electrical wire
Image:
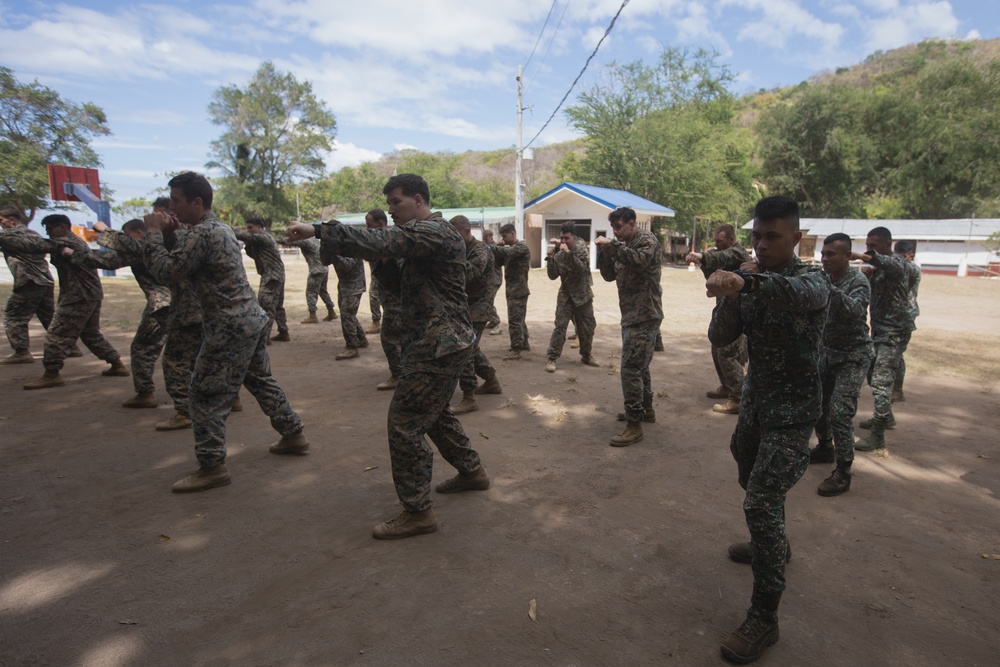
x: 577, y: 79
x: 542, y: 32
x: 552, y: 39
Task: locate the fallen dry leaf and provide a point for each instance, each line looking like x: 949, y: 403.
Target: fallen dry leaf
x: 533, y: 610
x: 370, y: 468
x: 164, y: 538
x: 128, y: 622
x: 483, y: 435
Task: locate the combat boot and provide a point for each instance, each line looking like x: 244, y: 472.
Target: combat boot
x: 658, y: 346
x: 295, y: 443
x: 721, y: 392
x: 740, y: 552
x: 236, y: 405
x: 513, y: 355
x: 349, y: 353
x: 526, y: 347
x: 823, y: 452
x: 496, y: 331
x: 574, y: 345
x: 468, y: 403
x: 331, y: 315
x: 375, y: 328
x: 281, y: 337
x: 838, y: 482
x: 388, y: 384
x: 175, y: 423
x: 631, y: 435
x: 890, y: 424
x: 311, y: 319
x: 730, y: 407
x: 491, y: 386
x: 118, y: 369
x: 204, y: 479
x: 48, y: 379
x: 875, y: 438
x: 589, y: 361
x: 758, y: 632
x: 406, y: 524
x: 145, y: 399
x: 551, y: 366
x: 477, y: 480
x: 19, y: 357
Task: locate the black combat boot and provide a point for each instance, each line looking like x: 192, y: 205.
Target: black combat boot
x: 837, y: 483
x: 758, y: 632
x: 823, y: 453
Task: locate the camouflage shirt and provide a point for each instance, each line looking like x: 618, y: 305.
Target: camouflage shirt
x: 310, y: 252
x: 913, y: 276
x: 517, y: 259
x: 429, y: 280
x: 130, y: 251
x: 350, y: 273
x: 845, y: 336
x: 635, y: 266
x: 783, y: 321
x: 263, y: 249
x: 478, y: 279
x: 729, y: 259
x: 890, y: 308
x: 574, y: 270
x: 77, y: 282
x: 208, y: 256
x: 24, y: 268
x: 185, y: 309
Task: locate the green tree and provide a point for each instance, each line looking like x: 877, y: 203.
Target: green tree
x: 38, y: 127
x: 131, y: 208
x: 276, y: 133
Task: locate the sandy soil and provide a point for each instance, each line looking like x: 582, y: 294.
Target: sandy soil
x: 623, y: 549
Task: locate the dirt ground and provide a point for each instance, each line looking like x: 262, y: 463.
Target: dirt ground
x: 623, y: 550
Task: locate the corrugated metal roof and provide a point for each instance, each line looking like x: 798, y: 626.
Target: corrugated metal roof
x: 959, y: 229
x: 611, y: 199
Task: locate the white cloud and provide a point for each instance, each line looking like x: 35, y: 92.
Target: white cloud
x: 111, y: 142
x: 792, y: 19
x: 905, y: 24
x: 349, y: 155
x: 972, y: 35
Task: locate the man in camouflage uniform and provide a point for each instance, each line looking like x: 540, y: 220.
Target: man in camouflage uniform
x: 33, y: 288
x: 892, y: 325
x: 633, y: 260
x: 569, y: 261
x: 780, y: 304
x: 438, y: 340
x: 907, y: 251
x: 316, y: 282
x: 845, y: 359
x: 262, y: 248
x: 493, y: 324
x: 728, y: 255
x: 78, y: 310
x: 478, y: 276
x: 350, y: 287
x: 516, y: 258
x: 234, y: 349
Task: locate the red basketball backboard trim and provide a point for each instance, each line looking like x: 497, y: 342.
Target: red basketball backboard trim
x: 60, y: 174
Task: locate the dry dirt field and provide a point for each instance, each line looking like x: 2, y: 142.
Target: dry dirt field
x: 622, y: 550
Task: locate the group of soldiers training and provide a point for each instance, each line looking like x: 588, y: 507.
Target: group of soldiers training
x: 800, y: 330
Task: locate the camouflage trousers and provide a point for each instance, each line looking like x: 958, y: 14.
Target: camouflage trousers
x: 420, y: 406
x: 842, y: 382
x: 638, y: 341
x: 78, y: 320
x: 770, y: 461
x: 517, y: 310
x: 729, y: 362
x: 271, y: 297
x: 478, y: 364
x: 146, y: 346
x: 888, y: 355
x: 25, y: 302
x: 316, y: 288
x: 897, y: 385
x: 222, y: 366
x: 375, y: 301
x: 391, y: 337
x: 354, y: 333
x: 494, y: 315
x: 179, y: 352
x: 583, y: 320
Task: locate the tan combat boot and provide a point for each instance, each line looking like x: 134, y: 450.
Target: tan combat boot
x: 513, y: 355
x: 311, y: 319
x: 589, y: 361
x: 349, y: 353
x: 375, y: 328
x: 204, y: 479
x: 236, y: 405
x: 19, y: 357
x: 477, y: 480
x: 281, y: 337
x: 491, y: 386
x: 388, y: 384
x: 574, y: 344
x: 48, y: 379
x: 631, y: 435
x: 406, y: 524
x: 295, y: 443
x: 175, y: 423
x: 468, y: 403
x: 143, y: 400
x: 551, y: 366
x: 331, y: 315
x: 118, y: 369
x: 730, y: 407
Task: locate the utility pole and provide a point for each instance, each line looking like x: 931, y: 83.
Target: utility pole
x: 518, y: 191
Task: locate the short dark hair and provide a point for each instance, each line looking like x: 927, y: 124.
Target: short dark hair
x: 726, y: 229
x: 839, y: 237
x: 904, y: 247
x: 193, y: 186
x: 777, y: 207
x: 568, y: 228
x: 134, y: 225
x: 410, y: 184
x: 11, y: 211
x: 460, y: 222
x: 623, y: 213
x: 162, y: 202
x: 509, y: 227
x: 56, y: 219
x: 377, y: 214
x: 881, y: 233
x: 487, y: 232
x: 255, y: 220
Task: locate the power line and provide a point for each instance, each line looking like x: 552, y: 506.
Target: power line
x: 542, y: 32
x: 552, y: 39
x: 577, y: 79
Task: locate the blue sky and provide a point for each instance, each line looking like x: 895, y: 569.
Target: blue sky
x: 435, y: 75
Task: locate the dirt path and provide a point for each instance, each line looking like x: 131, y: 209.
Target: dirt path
x: 623, y: 549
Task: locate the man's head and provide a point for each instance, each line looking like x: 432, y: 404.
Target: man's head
x: 135, y: 229
x: 161, y: 205
x: 508, y: 234
x: 190, y: 197
x: 725, y: 237
x: 775, y: 232
x: 906, y: 249
x: 10, y: 217
x: 879, y: 241
x: 255, y: 225
x: 375, y: 219
x: 408, y: 198
x: 488, y: 236
x: 57, y: 225
x: 567, y: 235
x: 461, y: 223
x: 836, y: 254
x: 623, y: 223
